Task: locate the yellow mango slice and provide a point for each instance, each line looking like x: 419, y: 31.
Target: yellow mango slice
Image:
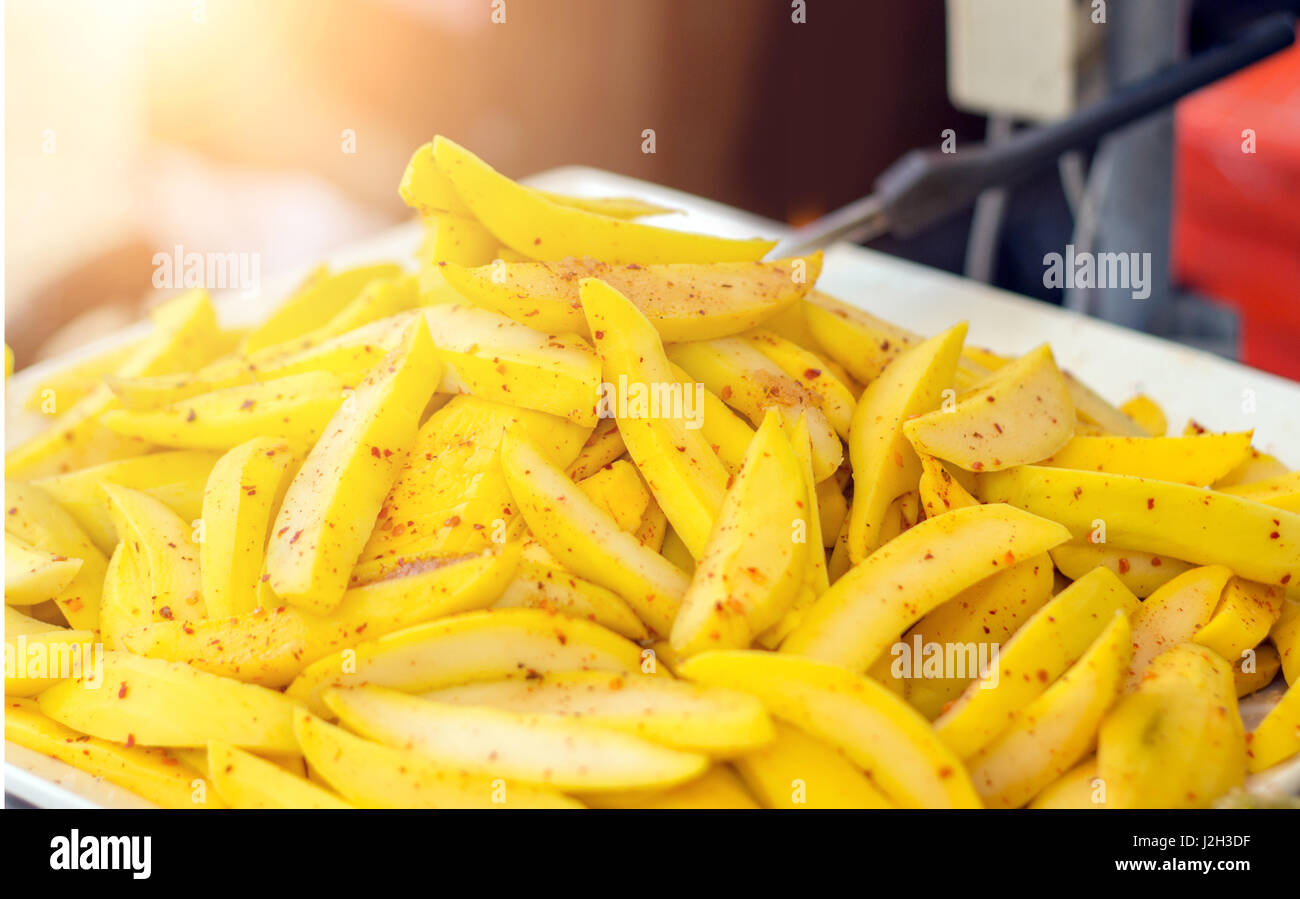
x: 990, y: 611
x: 619, y: 490
x: 716, y: 788
x: 1257, y: 542
x: 246, y: 781
x: 1256, y: 466
x: 175, y: 478
x: 295, y: 407
x: 371, y: 775
x: 185, y: 334
x: 1022, y: 413
x: 587, y: 541
x: 350, y: 356
x: 875, y: 729
x: 1199, y: 460
x: 666, y: 443
x: 1285, y: 635
x: 71, y: 383
x: 489, y: 355
x: 726, y: 432
x: 603, y: 446
x: 1277, y: 737
x: 456, y: 240
x: 320, y: 297
x: 832, y: 508
x: 1147, y: 413
x: 425, y: 189
x: 816, y: 579
x: 452, y: 497
x: 750, y: 382
x: 1078, y: 788
x: 36, y: 661
x: 614, y: 207
x: 884, y: 463
x: 546, y: 587
x: 152, y: 774
x: 829, y: 394
x: 165, y: 550
x: 720, y: 723
x: 34, y: 517
x: 682, y: 302
x: 1174, y: 614
x: 1177, y: 741
x: 331, y: 504
x: 245, y: 488
x: 1255, y: 669
x: 1052, y: 640
x: 1281, y: 491
x: 854, y: 338
x: 271, y: 646
x: 1093, y: 410
x: 383, y: 299
x: 32, y: 575
x: 940, y: 492
x: 541, y: 229
x: 903, y: 513
x: 545, y: 750
x: 1143, y: 573
x: 149, y: 702
x: 127, y: 599
x: 1244, y: 614
x: 752, y: 567
x: 791, y: 324
x: 798, y: 771
x: 653, y: 528
x: 1053, y: 732
x: 459, y: 649
x: 866, y: 610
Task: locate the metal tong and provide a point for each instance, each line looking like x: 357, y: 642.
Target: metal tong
x: 926, y: 186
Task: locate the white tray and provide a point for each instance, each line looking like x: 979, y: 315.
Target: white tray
x: 1114, y: 361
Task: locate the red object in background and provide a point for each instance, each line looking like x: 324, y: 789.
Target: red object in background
x: 1237, y: 214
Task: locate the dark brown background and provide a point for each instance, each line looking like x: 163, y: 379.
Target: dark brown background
x: 784, y: 119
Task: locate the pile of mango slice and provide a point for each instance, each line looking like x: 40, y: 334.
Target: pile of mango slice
x: 577, y: 511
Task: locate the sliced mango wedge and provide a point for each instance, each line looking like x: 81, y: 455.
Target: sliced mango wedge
x: 541, y: 229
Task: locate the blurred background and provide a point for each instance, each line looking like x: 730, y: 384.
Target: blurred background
x: 281, y: 127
